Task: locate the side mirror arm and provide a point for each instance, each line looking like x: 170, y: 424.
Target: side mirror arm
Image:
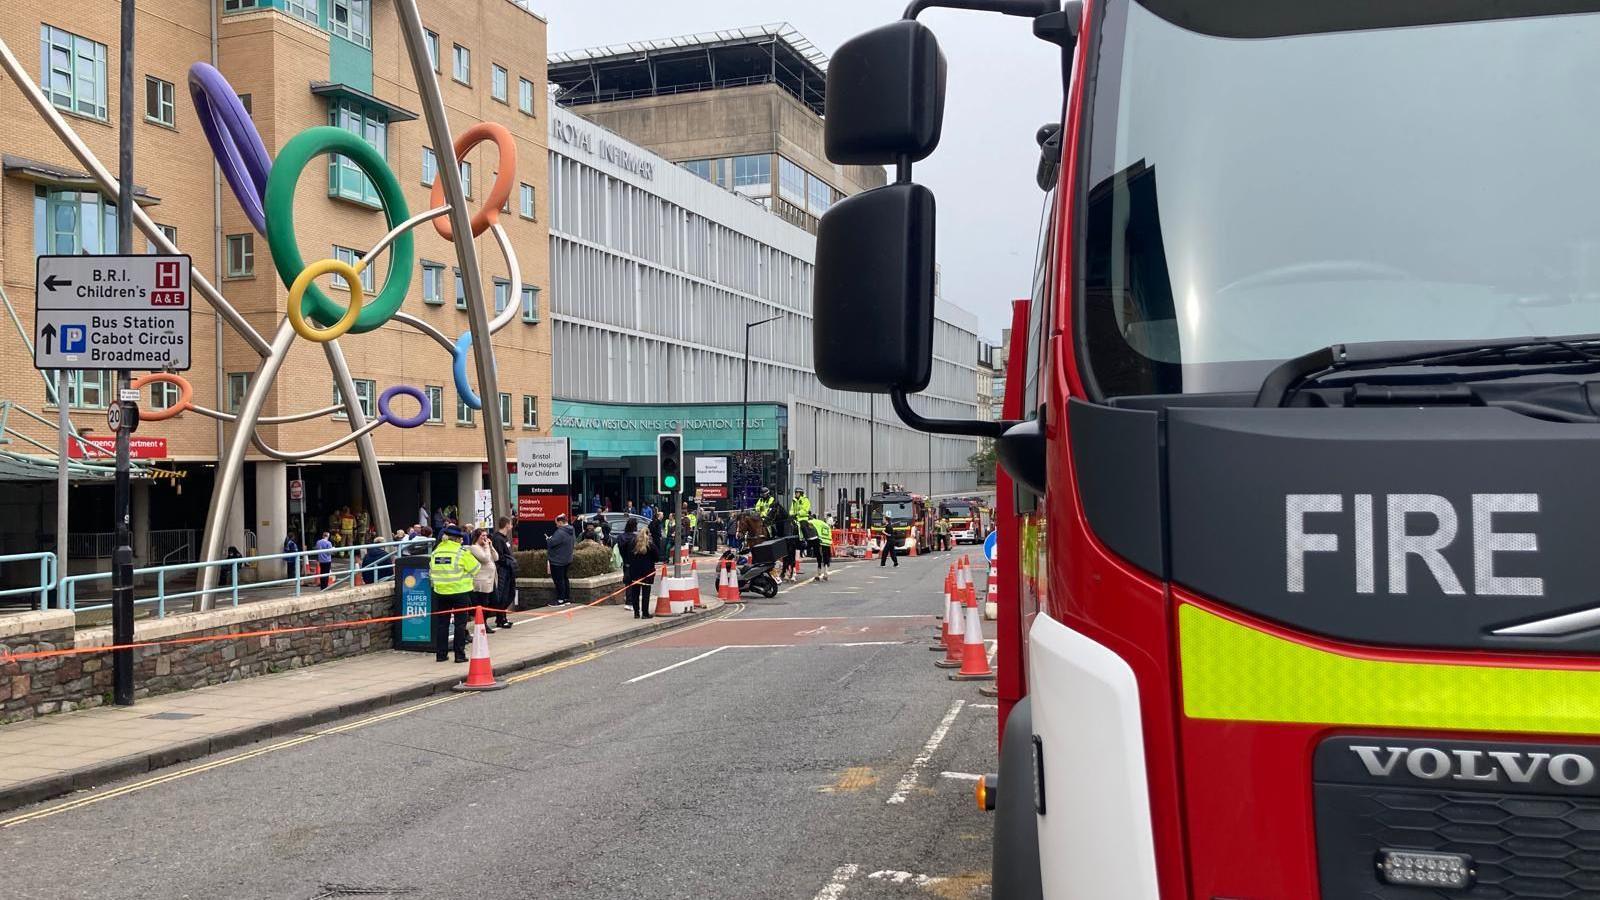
x: 970, y: 427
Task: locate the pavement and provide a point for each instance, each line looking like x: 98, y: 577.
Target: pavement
x: 803, y: 747
x: 54, y: 755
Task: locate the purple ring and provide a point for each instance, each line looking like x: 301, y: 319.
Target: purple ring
x: 233, y: 138
x: 406, y: 390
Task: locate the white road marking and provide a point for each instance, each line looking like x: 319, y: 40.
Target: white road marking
x: 823, y: 618
x: 898, y: 877
x: 960, y: 776
x: 834, y: 889
x: 909, y: 780
x: 675, y: 665
x: 984, y: 706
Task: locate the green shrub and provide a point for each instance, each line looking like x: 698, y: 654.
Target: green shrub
x: 589, y: 559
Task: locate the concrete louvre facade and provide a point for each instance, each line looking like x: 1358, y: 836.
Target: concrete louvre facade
x: 276, y: 51
x: 653, y: 279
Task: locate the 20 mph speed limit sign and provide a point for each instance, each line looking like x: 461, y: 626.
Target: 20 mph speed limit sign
x: 112, y: 312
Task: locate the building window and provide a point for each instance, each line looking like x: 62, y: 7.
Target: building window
x: 305, y: 10
x: 163, y: 395
x: 241, y: 255
x: 345, y: 178
x: 238, y: 386
x: 431, y: 39
x: 505, y: 411
x: 430, y: 166
x: 530, y: 412
x: 85, y: 389
x: 158, y: 103
x: 351, y: 20
x: 502, y: 295
x: 462, y: 70
x: 435, y: 404
x: 527, y: 205
x: 237, y: 5
x: 366, y: 398
x: 463, y: 412
x: 350, y: 257
x: 73, y: 72
x: 73, y: 222
x: 171, y: 232
x: 791, y: 182
x: 499, y: 80
x: 701, y: 167
x: 248, y: 102
x: 752, y: 175
x: 461, y: 291
x: 530, y: 303
x: 819, y: 196
x: 432, y: 283
x: 525, y: 95
x: 466, y: 179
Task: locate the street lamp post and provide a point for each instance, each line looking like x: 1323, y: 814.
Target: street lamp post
x: 744, y: 415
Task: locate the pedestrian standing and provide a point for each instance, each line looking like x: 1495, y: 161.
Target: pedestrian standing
x: 291, y: 564
x: 822, y: 547
x: 451, y: 568
x: 638, y: 567
x: 483, y: 580
x: 891, y: 548
x: 658, y: 535
x: 505, y: 576
x: 558, y: 552
x: 324, y: 562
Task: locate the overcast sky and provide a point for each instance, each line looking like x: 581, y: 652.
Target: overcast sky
x: 1003, y: 84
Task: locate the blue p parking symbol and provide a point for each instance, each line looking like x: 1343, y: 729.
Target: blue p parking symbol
x: 74, y: 339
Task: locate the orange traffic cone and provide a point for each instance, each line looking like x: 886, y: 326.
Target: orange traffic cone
x: 974, y: 658
x: 658, y: 592
x: 694, y: 572
x: 722, y: 583
x: 911, y: 543
x: 991, y: 603
x: 480, y: 672
x: 954, y: 623
x: 941, y: 638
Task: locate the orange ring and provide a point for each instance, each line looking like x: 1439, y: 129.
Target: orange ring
x: 185, y: 394
x: 489, y: 213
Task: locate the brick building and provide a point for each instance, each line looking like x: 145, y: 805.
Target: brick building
x: 297, y: 63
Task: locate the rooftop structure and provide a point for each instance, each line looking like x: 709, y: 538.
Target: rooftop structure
x: 737, y: 57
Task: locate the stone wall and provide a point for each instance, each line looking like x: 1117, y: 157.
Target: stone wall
x: 533, y: 593
x: 35, y: 687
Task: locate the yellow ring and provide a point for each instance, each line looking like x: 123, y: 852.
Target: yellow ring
x: 352, y: 280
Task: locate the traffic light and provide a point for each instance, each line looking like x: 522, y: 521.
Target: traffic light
x: 669, y: 462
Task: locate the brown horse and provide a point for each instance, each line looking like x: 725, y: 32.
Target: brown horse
x: 750, y: 529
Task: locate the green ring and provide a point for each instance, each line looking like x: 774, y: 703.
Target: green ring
x: 280, y: 223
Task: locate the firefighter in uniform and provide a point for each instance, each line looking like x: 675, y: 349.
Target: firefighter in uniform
x: 451, y: 568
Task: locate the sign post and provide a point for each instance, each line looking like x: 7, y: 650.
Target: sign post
x: 122, y: 499
x: 483, y: 508
x: 544, y: 487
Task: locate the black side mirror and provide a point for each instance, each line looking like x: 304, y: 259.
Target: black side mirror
x: 885, y: 96
x: 873, y: 298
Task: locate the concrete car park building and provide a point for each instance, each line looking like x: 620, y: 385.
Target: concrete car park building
x: 655, y: 273
x: 295, y: 64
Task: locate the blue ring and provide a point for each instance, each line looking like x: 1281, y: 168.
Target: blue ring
x: 387, y: 397
x: 464, y: 387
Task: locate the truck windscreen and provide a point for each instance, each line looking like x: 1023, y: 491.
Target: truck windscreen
x: 1252, y: 200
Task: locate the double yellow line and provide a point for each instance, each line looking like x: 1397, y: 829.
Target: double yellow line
x: 303, y: 739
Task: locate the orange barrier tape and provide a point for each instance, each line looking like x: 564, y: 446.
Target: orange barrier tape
x: 7, y: 656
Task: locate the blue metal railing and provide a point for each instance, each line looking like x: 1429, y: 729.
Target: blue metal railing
x: 229, y: 589
x: 46, y: 563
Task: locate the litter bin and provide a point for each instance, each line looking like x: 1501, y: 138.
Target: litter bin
x: 413, y: 596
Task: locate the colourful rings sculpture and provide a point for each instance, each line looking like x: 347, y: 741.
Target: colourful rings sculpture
x: 185, y: 403
x: 265, y: 190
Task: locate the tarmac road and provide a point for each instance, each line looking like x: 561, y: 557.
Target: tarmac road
x: 803, y: 747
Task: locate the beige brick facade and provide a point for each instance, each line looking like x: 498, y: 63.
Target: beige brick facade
x: 275, y: 58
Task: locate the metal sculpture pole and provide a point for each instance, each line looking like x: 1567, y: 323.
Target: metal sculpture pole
x: 466, y: 252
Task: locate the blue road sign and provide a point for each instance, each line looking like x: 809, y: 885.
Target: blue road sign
x: 74, y: 338
x: 991, y: 545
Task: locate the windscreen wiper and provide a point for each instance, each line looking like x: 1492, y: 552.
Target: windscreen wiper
x: 1291, y: 375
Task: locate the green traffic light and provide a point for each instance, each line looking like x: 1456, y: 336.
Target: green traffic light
x: 669, y: 482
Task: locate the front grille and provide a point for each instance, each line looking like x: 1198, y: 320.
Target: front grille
x: 1524, y: 845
